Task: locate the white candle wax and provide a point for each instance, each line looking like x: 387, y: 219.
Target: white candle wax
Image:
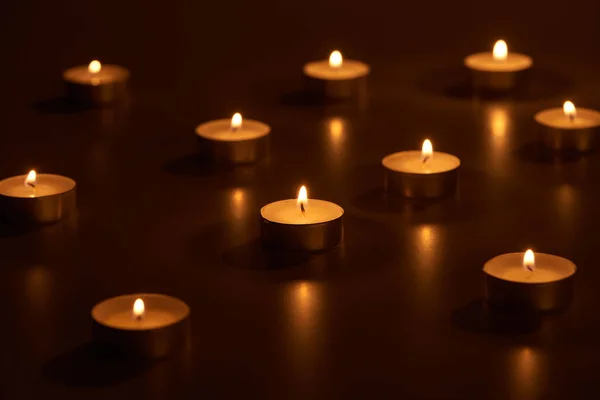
x: 556, y: 118
x: 349, y: 69
x: 412, y: 162
x: 486, y: 62
x: 107, y: 75
x: 220, y: 130
x: 548, y: 268
x: 46, y: 185
x: 287, y: 212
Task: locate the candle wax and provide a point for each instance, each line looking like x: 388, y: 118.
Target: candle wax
x: 487, y: 62
x: 548, y: 268
x: 220, y: 129
x: 46, y: 185
x: 108, y: 74
x: 412, y: 162
x: 151, y: 319
x: 556, y: 118
x: 349, y: 69
x: 288, y: 212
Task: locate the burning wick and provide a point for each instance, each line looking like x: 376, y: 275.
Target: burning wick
x: 570, y: 110
x: 529, y: 261
x: 138, y: 309
x: 236, y: 122
x: 426, y: 151
x: 31, y: 180
x: 302, y: 199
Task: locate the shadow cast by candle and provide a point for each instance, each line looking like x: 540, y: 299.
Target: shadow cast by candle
x: 477, y: 317
x: 379, y: 201
x: 537, y: 153
x: 254, y: 256
x: 92, y: 365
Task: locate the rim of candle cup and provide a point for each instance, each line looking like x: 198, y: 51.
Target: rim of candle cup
x: 361, y: 70
x: 263, y: 129
x: 71, y: 181
x: 131, y: 298
x: 389, y: 156
x: 471, y: 58
x: 120, y: 74
x: 309, y: 224
x: 582, y: 112
x: 538, y: 258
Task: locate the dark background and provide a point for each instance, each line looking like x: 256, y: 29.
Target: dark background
x: 395, y: 312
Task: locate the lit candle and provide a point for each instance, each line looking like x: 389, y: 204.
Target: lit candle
x: 234, y: 140
x: 499, y: 70
x: 337, y: 78
x: 529, y: 281
x: 422, y: 173
x: 568, y: 127
x: 37, y: 198
x: 96, y: 83
x: 302, y: 224
x: 148, y: 325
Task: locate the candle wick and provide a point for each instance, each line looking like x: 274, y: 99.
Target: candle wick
x: 302, y: 209
x: 234, y: 129
x: 425, y: 159
x: 572, y: 117
x: 138, y: 317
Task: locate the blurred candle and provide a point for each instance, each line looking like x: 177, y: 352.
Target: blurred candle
x: 569, y: 127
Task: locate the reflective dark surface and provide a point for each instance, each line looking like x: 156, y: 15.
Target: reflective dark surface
x: 396, y: 310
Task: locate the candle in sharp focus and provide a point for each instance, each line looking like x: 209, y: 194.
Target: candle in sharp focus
x: 422, y: 173
x: 148, y: 325
x: 302, y: 223
x: 498, y: 70
x: 96, y: 83
x: 529, y: 281
x: 236, y: 140
x: 569, y: 127
x: 336, y: 77
x: 37, y: 198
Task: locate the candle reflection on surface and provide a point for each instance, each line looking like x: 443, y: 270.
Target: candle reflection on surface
x: 427, y: 244
x: 499, y: 125
x: 337, y: 129
x: 527, y: 377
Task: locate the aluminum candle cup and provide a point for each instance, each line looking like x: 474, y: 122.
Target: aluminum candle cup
x: 511, y: 285
x: 568, y: 128
x: 284, y: 226
x: 37, y: 198
x: 96, y: 84
x: 499, y: 70
x: 144, y: 325
x: 421, y: 174
x: 234, y: 141
x: 337, y: 78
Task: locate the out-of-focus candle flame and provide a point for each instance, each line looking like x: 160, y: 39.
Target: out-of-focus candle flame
x: 236, y: 121
x: 426, y: 150
x: 138, y: 309
x: 31, y: 179
x: 302, y: 199
x: 335, y: 59
x: 570, y: 110
x: 529, y: 260
x: 94, y: 67
x: 500, y: 51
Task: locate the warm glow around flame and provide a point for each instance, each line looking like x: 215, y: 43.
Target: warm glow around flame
x: 138, y: 308
x: 94, y: 67
x: 500, y: 51
x: 427, y: 149
x: 302, y: 197
x: 31, y: 179
x: 569, y: 109
x: 335, y: 59
x: 236, y: 121
x: 529, y: 260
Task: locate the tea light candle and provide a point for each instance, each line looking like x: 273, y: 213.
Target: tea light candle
x: 569, y: 127
x: 302, y: 224
x: 337, y: 78
x: 528, y: 281
x: 498, y: 70
x: 235, y: 141
x: 421, y: 173
x: 37, y: 198
x: 95, y: 83
x: 146, y: 325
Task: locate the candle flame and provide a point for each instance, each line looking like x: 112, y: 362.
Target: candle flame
x: 500, y: 51
x: 31, y: 179
x: 569, y: 109
x: 529, y: 260
x: 335, y: 59
x: 302, y: 199
x: 138, y: 309
x: 236, y: 121
x: 426, y: 150
x: 94, y: 67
